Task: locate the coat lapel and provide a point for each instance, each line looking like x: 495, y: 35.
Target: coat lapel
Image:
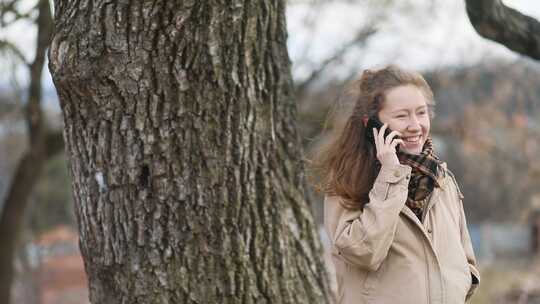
x: 435, y: 198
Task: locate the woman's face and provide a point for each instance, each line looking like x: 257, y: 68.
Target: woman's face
x: 405, y: 109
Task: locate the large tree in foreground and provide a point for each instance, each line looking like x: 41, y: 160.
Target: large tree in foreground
x: 186, y: 164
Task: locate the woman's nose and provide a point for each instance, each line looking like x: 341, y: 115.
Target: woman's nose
x: 414, y: 123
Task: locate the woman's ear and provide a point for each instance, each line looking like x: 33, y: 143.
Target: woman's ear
x: 365, y: 119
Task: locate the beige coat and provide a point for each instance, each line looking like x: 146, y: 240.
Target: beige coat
x: 386, y: 255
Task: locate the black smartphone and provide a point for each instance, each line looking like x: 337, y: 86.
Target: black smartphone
x: 374, y: 122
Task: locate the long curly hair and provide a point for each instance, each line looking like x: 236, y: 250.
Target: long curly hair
x: 346, y: 165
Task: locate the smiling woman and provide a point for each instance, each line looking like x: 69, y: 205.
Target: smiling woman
x: 392, y: 209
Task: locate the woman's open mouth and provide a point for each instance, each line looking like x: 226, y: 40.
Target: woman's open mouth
x: 412, y: 141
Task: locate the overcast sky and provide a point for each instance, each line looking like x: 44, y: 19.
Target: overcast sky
x: 426, y: 34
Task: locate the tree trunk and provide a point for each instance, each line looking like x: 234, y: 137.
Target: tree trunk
x: 186, y: 164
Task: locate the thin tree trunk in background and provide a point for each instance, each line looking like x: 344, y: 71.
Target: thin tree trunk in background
x: 30, y: 165
x: 184, y: 155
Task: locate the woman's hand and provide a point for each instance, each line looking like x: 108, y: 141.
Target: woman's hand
x: 386, y: 147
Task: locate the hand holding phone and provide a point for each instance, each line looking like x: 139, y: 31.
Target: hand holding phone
x: 386, y: 141
x: 374, y: 122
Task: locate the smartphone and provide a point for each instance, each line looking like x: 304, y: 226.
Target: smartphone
x: 374, y: 122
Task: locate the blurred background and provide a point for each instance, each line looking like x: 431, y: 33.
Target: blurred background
x: 487, y: 128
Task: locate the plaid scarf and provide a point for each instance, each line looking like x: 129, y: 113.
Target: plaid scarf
x: 425, y: 168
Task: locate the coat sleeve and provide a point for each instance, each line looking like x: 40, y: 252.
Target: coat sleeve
x: 363, y: 237
x: 469, y: 252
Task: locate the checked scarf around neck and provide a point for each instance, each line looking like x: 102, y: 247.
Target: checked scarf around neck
x: 425, y: 169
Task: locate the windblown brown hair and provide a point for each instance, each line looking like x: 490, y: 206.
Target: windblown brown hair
x: 346, y: 166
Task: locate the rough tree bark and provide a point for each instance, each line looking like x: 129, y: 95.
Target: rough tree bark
x: 495, y: 21
x: 185, y: 160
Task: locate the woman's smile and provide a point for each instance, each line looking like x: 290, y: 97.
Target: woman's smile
x: 412, y: 142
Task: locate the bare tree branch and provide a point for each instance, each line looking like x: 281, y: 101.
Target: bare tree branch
x: 360, y: 38
x: 495, y: 21
x: 10, y: 7
x: 9, y: 48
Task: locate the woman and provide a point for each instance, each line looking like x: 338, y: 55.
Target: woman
x: 392, y: 209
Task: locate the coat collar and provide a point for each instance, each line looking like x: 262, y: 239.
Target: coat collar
x: 434, y: 198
